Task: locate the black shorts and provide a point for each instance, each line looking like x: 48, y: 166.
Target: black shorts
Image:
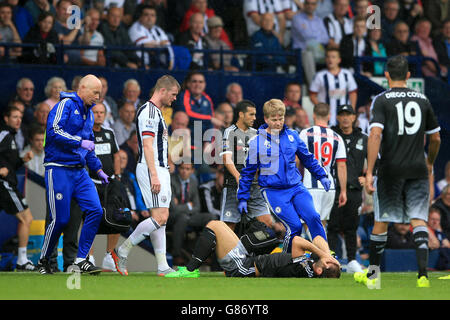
x: 238, y: 262
x: 401, y: 200
x: 11, y: 200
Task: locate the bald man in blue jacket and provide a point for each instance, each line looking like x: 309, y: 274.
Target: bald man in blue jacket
x: 69, y: 147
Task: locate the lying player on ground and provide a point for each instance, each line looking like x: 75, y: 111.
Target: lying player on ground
x: 236, y: 258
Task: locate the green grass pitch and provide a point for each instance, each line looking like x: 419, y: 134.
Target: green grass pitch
x: 215, y: 286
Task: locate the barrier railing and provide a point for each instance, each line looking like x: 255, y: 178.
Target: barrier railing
x: 417, y: 61
x: 247, y: 58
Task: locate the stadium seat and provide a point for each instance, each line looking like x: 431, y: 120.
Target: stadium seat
x: 183, y: 58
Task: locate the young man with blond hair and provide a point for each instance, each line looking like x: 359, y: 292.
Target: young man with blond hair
x: 152, y: 173
x: 272, y: 151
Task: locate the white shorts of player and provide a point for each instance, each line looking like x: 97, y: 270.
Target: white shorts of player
x: 323, y: 202
x: 153, y: 200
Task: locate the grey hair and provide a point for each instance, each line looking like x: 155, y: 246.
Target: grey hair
x: 21, y: 81
x: 131, y: 81
x: 232, y: 84
x: 51, y: 82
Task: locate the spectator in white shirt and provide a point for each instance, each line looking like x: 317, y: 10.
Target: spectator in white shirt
x: 337, y: 24
x: 90, y: 36
x: 145, y: 32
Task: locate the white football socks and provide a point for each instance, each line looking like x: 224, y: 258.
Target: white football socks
x: 143, y: 230
x: 22, y: 256
x: 158, y: 238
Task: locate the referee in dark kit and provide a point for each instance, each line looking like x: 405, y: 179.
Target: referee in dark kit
x: 345, y: 219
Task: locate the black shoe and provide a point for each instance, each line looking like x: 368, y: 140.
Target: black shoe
x: 44, y: 267
x: 27, y: 267
x: 86, y: 266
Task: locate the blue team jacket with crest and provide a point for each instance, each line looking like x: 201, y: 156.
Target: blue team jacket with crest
x: 68, y: 123
x: 274, y: 156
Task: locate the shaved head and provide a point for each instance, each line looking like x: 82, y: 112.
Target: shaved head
x: 89, y: 89
x: 90, y: 80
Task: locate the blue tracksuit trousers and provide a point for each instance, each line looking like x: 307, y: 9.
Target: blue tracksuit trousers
x: 290, y: 205
x: 63, y: 184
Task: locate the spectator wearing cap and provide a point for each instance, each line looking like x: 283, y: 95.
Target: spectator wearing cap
x: 215, y: 28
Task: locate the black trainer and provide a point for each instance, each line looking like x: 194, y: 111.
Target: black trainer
x: 44, y: 267
x: 86, y: 266
x: 26, y: 267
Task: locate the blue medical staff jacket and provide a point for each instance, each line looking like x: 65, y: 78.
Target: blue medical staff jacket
x: 274, y: 156
x: 68, y: 123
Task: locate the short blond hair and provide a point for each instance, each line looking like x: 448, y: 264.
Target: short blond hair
x: 167, y: 82
x: 274, y: 107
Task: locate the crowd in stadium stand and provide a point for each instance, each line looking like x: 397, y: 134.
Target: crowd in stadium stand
x: 318, y: 27
x: 409, y: 27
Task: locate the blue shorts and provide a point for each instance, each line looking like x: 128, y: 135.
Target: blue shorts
x: 289, y: 206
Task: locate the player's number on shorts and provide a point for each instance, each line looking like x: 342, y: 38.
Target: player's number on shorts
x: 326, y: 152
x: 411, y: 115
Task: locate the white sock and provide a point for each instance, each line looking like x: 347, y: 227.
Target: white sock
x: 125, y: 248
x: 78, y: 260
x: 143, y: 230
x: 158, y: 238
x: 92, y: 259
x: 22, y: 255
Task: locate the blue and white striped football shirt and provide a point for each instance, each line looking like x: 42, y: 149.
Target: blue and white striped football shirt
x: 150, y: 123
x: 327, y: 147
